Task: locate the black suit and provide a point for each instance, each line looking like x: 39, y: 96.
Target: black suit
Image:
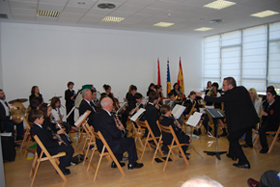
x: 69, y: 105
x: 167, y: 137
x: 240, y: 116
x: 2, y: 117
x: 269, y: 122
x: 119, y: 144
x: 52, y: 145
x: 84, y: 106
x: 152, y: 116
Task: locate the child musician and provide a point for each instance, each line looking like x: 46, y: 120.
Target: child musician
x: 166, y: 119
x: 52, y: 145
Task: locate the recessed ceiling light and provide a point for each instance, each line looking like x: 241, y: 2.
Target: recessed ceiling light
x: 265, y: 13
x: 81, y: 3
x: 203, y: 29
x: 48, y: 13
x: 112, y: 19
x: 163, y: 24
x: 106, y: 5
x: 219, y: 4
x: 216, y: 21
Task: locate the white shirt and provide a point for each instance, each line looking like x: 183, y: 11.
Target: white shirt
x: 7, y: 109
x: 55, y: 114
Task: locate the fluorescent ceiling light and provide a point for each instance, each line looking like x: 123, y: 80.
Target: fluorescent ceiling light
x: 48, y: 13
x: 112, y: 19
x: 265, y: 13
x: 203, y: 29
x: 219, y: 4
x: 163, y: 24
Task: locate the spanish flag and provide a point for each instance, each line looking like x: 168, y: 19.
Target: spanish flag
x: 159, y: 79
x: 180, y: 80
x: 168, y: 82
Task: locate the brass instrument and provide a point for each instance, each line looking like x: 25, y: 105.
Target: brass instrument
x: 17, y: 110
x: 119, y: 123
x: 193, y: 107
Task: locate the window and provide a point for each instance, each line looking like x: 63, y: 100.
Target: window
x: 251, y: 56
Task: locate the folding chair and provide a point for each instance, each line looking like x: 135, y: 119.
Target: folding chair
x: 108, y: 153
x: 52, y: 158
x: 174, y: 144
x: 26, y: 138
x: 275, y: 133
x: 150, y: 137
x: 90, y: 141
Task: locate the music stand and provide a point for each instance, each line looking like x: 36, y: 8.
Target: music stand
x: 215, y: 114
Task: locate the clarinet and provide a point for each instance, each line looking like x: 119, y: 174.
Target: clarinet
x: 68, y: 138
x: 117, y: 120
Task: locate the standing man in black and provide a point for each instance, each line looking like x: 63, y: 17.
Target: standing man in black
x: 111, y: 129
x: 241, y: 116
x: 70, y: 102
x: 87, y: 104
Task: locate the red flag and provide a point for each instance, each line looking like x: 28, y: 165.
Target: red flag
x: 159, y: 79
x: 180, y: 80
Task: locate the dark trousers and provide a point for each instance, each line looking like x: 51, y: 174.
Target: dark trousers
x: 248, y: 137
x: 265, y: 127
x: 207, y: 127
x: 234, y: 146
x: 64, y: 161
x: 70, y: 119
x: 9, y: 127
x: 127, y: 145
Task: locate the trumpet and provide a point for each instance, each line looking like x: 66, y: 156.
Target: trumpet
x: 119, y: 124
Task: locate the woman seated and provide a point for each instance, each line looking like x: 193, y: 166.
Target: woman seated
x: 166, y: 119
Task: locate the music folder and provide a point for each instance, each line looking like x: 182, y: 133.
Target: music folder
x: 194, y: 119
x: 82, y: 118
x: 178, y: 110
x: 214, y: 113
x: 137, y: 114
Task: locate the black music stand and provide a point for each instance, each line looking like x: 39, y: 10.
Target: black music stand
x: 215, y: 114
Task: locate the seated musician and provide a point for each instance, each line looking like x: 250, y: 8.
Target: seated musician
x: 138, y: 105
x: 192, y: 106
x: 131, y: 103
x: 270, y: 118
x: 58, y: 132
x: 177, y: 91
x: 166, y: 119
x: 213, y: 92
x: 172, y: 98
x: 87, y: 104
x: 152, y: 113
x: 108, y: 93
x: 152, y: 87
x: 53, y: 146
x: 35, y: 93
x: 6, y: 123
x: 111, y: 129
x: 159, y: 92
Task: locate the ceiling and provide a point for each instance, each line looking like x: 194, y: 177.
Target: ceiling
x: 140, y: 15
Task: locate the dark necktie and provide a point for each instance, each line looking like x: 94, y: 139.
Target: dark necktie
x: 7, y: 104
x: 92, y: 106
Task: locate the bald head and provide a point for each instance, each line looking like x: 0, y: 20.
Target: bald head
x: 201, y: 182
x: 107, y: 104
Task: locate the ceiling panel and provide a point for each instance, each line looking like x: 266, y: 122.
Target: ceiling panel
x: 142, y: 14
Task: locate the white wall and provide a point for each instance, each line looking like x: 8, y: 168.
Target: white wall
x: 1, y: 72
x: 50, y: 56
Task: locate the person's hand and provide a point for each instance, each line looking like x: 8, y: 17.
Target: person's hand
x: 199, y: 94
x: 264, y: 113
x: 61, y: 131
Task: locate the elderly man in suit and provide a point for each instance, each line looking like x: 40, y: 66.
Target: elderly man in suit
x: 241, y: 116
x: 111, y: 129
x: 87, y: 104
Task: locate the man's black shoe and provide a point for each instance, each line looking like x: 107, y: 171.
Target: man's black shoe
x: 246, y: 166
x: 234, y: 158
x: 264, y: 150
x: 114, y: 165
x: 135, y: 165
x: 66, y: 171
x: 247, y: 145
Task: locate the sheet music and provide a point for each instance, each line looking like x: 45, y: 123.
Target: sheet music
x: 137, y: 114
x: 214, y: 113
x: 82, y: 118
x: 178, y: 110
x: 194, y: 119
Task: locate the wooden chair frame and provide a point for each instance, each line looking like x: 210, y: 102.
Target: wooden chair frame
x: 174, y: 144
x: 150, y: 137
x: 26, y: 138
x: 109, y: 153
x: 273, y: 140
x: 90, y: 142
x: 52, y: 158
